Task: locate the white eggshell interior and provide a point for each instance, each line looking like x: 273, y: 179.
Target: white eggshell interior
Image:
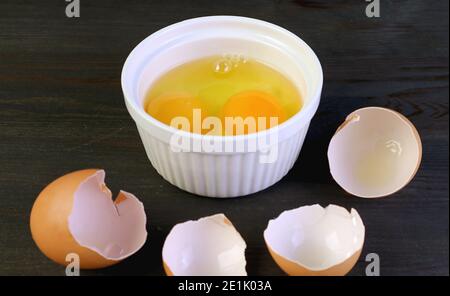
x: 316, y: 238
x: 210, y: 246
x: 375, y: 153
x: 113, y: 230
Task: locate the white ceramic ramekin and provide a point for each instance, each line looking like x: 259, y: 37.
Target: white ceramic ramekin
x: 222, y: 173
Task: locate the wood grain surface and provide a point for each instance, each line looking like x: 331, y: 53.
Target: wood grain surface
x: 61, y: 109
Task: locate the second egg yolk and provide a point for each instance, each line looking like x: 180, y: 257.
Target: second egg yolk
x: 252, y: 104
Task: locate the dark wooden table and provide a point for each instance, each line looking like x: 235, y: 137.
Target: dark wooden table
x: 61, y: 109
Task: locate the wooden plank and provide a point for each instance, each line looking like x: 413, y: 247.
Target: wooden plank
x: 61, y: 109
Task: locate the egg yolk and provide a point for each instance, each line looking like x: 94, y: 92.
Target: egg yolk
x: 253, y: 105
x: 167, y: 107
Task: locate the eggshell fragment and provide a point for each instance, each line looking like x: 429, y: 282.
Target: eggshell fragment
x: 210, y: 246
x: 375, y: 152
x: 316, y: 241
x: 75, y: 214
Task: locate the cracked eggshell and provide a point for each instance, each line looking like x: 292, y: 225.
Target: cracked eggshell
x: 76, y: 214
x: 210, y: 246
x: 375, y: 152
x: 316, y: 241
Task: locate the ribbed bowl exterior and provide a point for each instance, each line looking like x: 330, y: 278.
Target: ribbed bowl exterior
x: 221, y: 175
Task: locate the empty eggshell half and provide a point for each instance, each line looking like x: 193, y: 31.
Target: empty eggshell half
x: 76, y: 214
x: 316, y: 241
x: 210, y: 246
x: 375, y: 152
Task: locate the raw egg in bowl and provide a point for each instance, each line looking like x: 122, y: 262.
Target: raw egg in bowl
x: 204, y: 160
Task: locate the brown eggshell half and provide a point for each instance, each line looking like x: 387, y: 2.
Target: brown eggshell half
x: 48, y: 222
x: 316, y: 241
x: 210, y: 246
x: 49, y: 219
x: 354, y: 142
